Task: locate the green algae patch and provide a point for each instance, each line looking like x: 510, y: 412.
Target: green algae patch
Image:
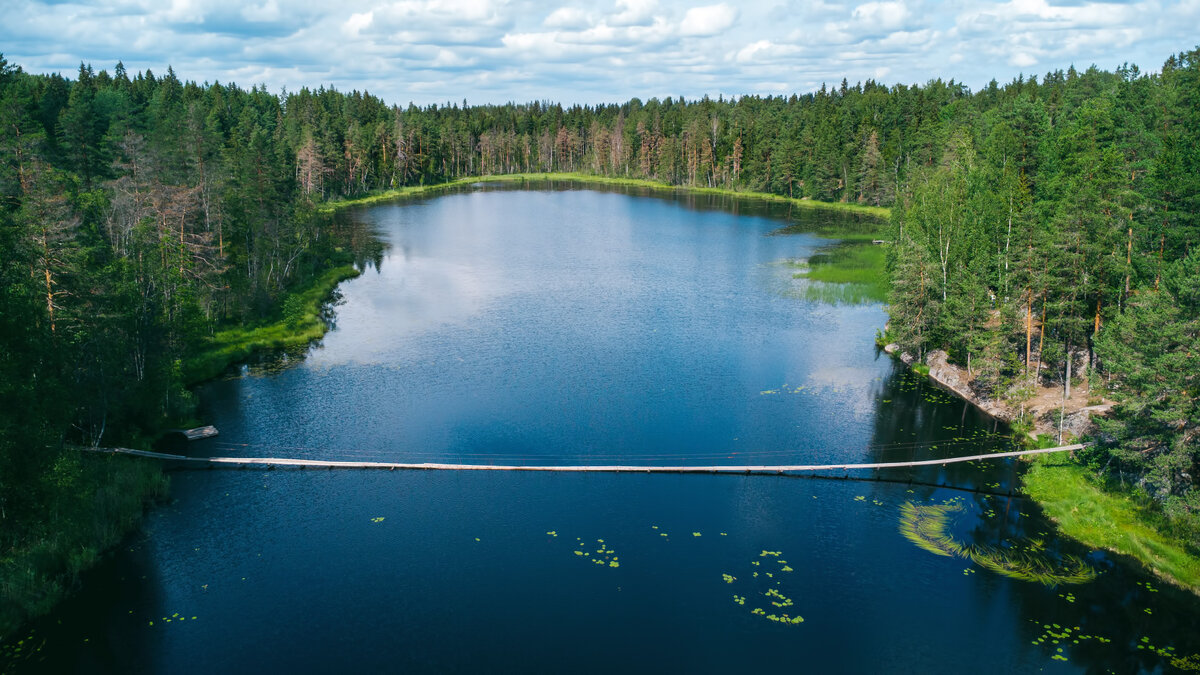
x: 1084, y: 510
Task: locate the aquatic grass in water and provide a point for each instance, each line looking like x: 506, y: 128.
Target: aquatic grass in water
x: 927, y: 527
x: 849, y: 273
x: 22, y: 650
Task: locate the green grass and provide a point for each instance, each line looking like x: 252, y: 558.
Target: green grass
x: 90, y: 502
x: 303, y: 326
x: 847, y: 273
x: 389, y: 195
x: 876, y: 211
x: 1101, y: 518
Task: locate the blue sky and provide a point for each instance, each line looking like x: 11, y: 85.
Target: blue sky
x: 494, y: 51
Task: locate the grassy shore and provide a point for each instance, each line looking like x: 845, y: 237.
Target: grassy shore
x: 1086, y: 510
x: 96, y: 500
x: 91, y: 502
x: 301, y: 324
x: 876, y: 211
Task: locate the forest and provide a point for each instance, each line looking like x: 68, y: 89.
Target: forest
x: 1043, y: 233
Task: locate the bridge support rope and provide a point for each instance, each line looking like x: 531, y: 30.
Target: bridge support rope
x: 751, y: 469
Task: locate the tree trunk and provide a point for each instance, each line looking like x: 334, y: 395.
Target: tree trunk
x: 1067, y: 381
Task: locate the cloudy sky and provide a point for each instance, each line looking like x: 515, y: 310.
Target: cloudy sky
x: 493, y: 51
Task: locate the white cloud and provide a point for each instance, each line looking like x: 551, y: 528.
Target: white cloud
x: 1022, y: 59
x: 749, y: 52
x: 882, y: 15
x: 710, y: 20
x: 268, y: 11
x: 764, y: 51
x: 185, y: 11
x: 357, y: 22
x: 634, y: 13
x: 499, y: 50
x: 446, y: 58
x: 908, y: 39
x: 570, y: 18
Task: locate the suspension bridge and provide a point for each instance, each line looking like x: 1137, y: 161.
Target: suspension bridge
x: 745, y: 469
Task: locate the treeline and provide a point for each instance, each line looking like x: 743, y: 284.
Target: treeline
x: 142, y: 212
x: 1054, y: 242
x: 1041, y: 226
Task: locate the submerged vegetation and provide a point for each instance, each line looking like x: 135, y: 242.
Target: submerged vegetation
x: 846, y: 273
x: 927, y: 526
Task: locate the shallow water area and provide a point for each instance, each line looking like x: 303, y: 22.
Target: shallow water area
x: 553, y: 326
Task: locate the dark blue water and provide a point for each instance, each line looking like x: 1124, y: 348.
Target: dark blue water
x: 567, y: 326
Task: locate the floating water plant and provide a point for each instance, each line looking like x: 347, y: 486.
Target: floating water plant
x: 604, y: 555
x: 1054, y: 634
x: 377, y: 519
x: 772, y: 594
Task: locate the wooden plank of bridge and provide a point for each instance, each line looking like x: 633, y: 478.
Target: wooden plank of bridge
x: 601, y: 468
x: 200, y: 433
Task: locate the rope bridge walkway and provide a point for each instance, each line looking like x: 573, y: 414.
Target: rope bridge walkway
x: 751, y: 469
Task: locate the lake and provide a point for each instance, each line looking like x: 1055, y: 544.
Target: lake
x: 561, y: 326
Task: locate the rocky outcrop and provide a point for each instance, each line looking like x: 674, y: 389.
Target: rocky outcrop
x: 892, y: 348
x: 958, y: 381
x: 1045, y: 407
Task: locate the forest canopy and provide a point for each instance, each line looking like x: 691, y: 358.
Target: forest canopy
x: 1043, y: 231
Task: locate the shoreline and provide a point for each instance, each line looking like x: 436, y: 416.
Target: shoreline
x: 583, y: 178
x: 1080, y: 504
x: 1060, y: 499
x: 946, y: 375
x: 236, y: 344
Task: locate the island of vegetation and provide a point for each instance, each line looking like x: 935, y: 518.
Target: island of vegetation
x: 1041, y: 237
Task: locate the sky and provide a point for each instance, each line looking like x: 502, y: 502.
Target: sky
x: 496, y: 51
